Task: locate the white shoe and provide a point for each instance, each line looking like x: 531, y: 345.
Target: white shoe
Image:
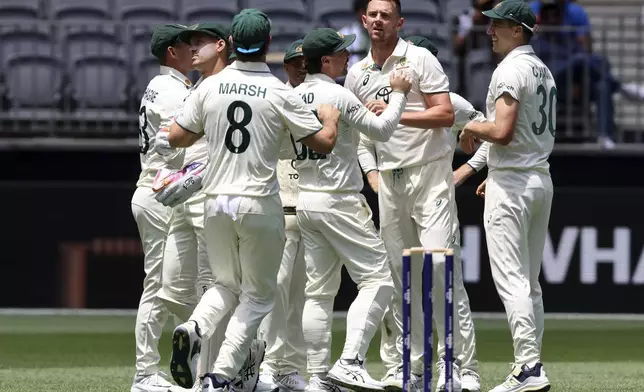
x: 209, y: 383
x: 470, y: 381
x: 524, y: 379
x: 316, y: 384
x: 266, y: 383
x: 352, y: 374
x: 393, y: 381
x: 633, y: 91
x: 186, y: 346
x: 456, y: 377
x: 606, y: 143
x: 157, y: 382
x: 248, y: 376
x: 290, y: 382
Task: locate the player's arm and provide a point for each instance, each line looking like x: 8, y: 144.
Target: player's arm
x: 434, y: 86
x: 319, y: 135
x: 379, y: 128
x: 188, y: 126
x: 475, y: 164
x: 506, y: 89
x: 368, y: 162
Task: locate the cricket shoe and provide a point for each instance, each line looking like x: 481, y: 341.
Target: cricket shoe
x: 525, y: 379
x: 470, y: 381
x: 393, y: 381
x: 266, y: 383
x: 209, y: 383
x: 157, y: 382
x: 317, y: 384
x: 248, y: 376
x: 290, y: 382
x: 186, y: 346
x: 352, y: 374
x: 456, y: 377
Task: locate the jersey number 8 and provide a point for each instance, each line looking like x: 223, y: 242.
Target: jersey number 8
x: 144, y: 138
x: 238, y: 126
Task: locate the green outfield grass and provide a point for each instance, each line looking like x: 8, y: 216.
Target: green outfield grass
x: 96, y: 353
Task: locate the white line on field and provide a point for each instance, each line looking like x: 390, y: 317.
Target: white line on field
x: 336, y: 315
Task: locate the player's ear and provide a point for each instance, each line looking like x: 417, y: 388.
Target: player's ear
x: 400, y: 24
x: 364, y: 20
x: 221, y: 46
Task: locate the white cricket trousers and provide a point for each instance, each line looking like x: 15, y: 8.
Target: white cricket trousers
x: 337, y: 229
x: 417, y: 205
x: 152, y: 219
x: 245, y: 240
x: 516, y: 224
x: 282, y: 328
x: 186, y: 271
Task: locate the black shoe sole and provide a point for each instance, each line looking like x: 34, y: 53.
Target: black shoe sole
x: 180, y: 363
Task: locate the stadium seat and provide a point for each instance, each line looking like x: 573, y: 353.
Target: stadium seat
x: 278, y: 71
x: 146, y: 69
x: 283, y: 36
x: 420, y: 11
x: 139, y: 44
x: 34, y: 80
x: 220, y: 11
x: 35, y: 40
x: 435, y: 31
x: 478, y: 72
x: 283, y: 14
x: 18, y: 10
x: 90, y: 40
x: 147, y: 11
x: 100, y: 82
x: 80, y: 10
x: 333, y: 13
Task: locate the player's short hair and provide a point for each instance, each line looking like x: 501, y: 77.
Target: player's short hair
x: 396, y: 3
x: 314, y: 65
x: 360, y: 5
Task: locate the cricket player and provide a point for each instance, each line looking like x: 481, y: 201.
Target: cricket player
x: 521, y: 107
x: 335, y: 218
x: 464, y: 332
x: 250, y: 111
x: 416, y: 190
x: 163, y: 95
x: 186, y: 269
x: 282, y: 328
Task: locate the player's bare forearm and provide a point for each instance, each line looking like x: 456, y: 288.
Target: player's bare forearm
x: 441, y: 116
x: 501, y: 130
x: 180, y: 137
x: 463, y: 173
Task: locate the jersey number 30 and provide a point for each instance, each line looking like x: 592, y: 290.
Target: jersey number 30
x: 548, y: 99
x: 238, y: 126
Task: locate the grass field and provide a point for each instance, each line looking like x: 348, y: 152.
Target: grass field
x: 96, y: 353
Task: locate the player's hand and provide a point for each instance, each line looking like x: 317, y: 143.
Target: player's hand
x: 161, y: 143
x: 467, y: 142
x: 183, y: 187
x: 376, y: 106
x: 480, y: 191
x: 400, y: 81
x: 328, y: 114
x: 462, y: 173
x: 372, y: 178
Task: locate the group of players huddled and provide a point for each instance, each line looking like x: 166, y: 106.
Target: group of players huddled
x: 249, y: 204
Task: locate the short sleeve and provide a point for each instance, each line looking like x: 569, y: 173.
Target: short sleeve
x: 300, y: 121
x: 191, y: 117
x: 507, y: 80
x: 432, y: 77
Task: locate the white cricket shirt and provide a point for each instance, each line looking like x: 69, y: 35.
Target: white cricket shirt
x: 527, y: 79
x: 163, y: 95
x: 245, y: 112
x: 408, y: 147
x: 198, y: 152
x: 339, y: 171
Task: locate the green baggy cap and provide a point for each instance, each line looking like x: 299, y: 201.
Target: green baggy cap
x: 251, y: 31
x: 423, y: 42
x: 212, y: 29
x: 294, y: 50
x: 165, y: 36
x: 325, y: 41
x: 516, y: 11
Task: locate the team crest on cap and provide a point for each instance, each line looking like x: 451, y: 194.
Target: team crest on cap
x: 497, y: 6
x: 298, y: 49
x: 340, y: 34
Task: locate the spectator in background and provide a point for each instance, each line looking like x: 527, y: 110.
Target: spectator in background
x: 360, y: 46
x: 563, y: 43
x: 470, y: 34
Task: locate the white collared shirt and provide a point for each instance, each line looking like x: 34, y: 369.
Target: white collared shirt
x: 245, y: 113
x: 408, y: 147
x: 525, y: 78
x: 339, y: 171
x: 163, y: 96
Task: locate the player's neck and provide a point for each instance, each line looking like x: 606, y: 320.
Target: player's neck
x: 381, y: 51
